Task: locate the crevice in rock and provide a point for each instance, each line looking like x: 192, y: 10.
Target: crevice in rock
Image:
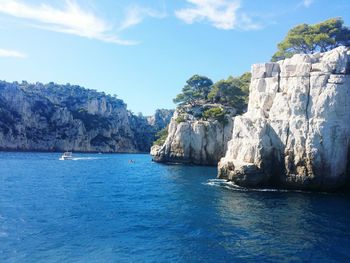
x: 279, y: 82
x: 190, y: 146
x: 171, y: 140
x: 287, y: 135
x: 347, y: 175
x: 347, y: 68
x: 204, y: 143
x: 223, y: 139
x: 204, y: 153
x: 305, y: 157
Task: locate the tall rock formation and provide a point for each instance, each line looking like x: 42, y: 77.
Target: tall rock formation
x: 191, y: 139
x: 296, y: 132
x: 52, y: 117
x: 161, y: 118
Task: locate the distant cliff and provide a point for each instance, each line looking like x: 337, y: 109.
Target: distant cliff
x: 160, y: 119
x: 55, y: 117
x: 296, y: 133
x: 146, y: 128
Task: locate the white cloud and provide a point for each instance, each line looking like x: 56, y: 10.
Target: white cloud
x: 5, y: 53
x: 247, y: 23
x: 136, y: 14
x: 307, y: 3
x: 222, y: 14
x: 70, y: 19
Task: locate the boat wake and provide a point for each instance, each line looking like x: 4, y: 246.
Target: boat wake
x: 86, y: 158
x: 82, y: 158
x: 232, y: 186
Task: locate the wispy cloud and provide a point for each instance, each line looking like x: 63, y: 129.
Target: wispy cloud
x: 222, y: 14
x: 136, y: 14
x: 70, y: 19
x: 5, y: 53
x: 305, y: 3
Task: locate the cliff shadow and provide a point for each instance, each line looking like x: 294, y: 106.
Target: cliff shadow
x: 274, y: 159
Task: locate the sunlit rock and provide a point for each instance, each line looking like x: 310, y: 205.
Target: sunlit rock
x: 296, y: 132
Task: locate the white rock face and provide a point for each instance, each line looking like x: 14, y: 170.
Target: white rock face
x: 161, y: 118
x: 194, y: 141
x: 296, y: 132
x: 52, y: 117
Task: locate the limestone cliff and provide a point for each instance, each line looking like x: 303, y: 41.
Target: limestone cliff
x: 161, y: 118
x: 296, y: 132
x: 191, y: 139
x: 64, y: 117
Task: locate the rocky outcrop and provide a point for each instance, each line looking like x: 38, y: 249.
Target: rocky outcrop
x: 191, y: 139
x: 160, y: 119
x: 296, y: 132
x: 54, y: 117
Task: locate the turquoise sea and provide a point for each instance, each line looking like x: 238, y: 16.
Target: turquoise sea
x: 101, y: 208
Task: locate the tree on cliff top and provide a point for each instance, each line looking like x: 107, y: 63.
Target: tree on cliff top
x: 232, y: 92
x: 197, y: 88
x: 308, y: 39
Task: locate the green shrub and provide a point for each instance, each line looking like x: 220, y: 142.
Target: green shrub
x: 180, y: 119
x: 216, y: 114
x: 161, y: 136
x: 308, y: 39
x: 232, y: 92
x: 82, y: 110
x: 196, y: 89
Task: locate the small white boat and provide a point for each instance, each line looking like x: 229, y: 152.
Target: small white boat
x: 66, y: 156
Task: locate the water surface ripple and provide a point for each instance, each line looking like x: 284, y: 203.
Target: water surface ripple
x: 101, y: 208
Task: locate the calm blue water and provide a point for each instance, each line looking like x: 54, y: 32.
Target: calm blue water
x: 100, y: 208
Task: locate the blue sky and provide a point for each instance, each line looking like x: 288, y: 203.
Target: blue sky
x: 144, y: 51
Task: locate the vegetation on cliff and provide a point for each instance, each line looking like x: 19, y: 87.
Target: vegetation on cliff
x: 217, y: 113
x: 199, y: 90
x: 232, y: 92
x: 161, y: 136
x: 308, y: 39
x: 196, y: 89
